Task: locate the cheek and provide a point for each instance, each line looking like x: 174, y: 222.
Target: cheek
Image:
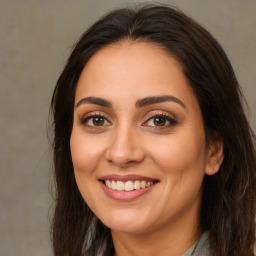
x: 86, y: 158
x: 181, y: 153
x: 85, y: 152
x: 181, y: 160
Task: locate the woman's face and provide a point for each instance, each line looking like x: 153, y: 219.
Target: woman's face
x: 138, y: 128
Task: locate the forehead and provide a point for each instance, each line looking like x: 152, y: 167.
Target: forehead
x: 135, y: 70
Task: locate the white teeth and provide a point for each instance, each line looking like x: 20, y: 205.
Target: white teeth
x: 136, y: 184
x: 143, y: 184
x: 113, y: 184
x: 119, y: 185
x: 108, y: 183
x: 128, y: 185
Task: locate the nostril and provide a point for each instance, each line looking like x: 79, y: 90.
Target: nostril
x: 122, y: 162
x: 124, y: 153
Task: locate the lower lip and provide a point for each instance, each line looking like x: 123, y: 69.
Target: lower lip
x: 125, y: 195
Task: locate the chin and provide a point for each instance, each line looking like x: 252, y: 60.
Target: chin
x: 125, y: 223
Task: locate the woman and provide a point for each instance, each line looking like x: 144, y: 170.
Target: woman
x: 153, y: 153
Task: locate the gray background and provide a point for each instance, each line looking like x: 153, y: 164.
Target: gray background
x: 36, y: 37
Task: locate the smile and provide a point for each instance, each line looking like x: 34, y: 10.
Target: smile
x: 128, y: 185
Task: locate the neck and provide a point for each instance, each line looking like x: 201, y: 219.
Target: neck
x: 174, y: 239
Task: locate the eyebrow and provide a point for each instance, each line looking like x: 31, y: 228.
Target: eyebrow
x: 96, y: 101
x: 139, y: 104
x: 158, y: 99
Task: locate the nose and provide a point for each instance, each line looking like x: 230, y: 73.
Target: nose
x: 125, y: 148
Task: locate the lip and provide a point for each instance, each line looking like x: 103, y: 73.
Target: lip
x: 125, y: 178
x: 126, y: 195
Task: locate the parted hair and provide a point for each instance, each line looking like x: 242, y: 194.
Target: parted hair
x: 228, y: 203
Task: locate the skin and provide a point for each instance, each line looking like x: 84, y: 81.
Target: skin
x: 164, y: 221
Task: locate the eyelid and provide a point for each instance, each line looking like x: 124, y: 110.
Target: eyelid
x: 159, y: 113
x: 171, y: 118
x: 87, y: 116
x: 154, y: 113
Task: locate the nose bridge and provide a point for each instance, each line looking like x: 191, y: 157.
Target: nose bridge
x: 125, y: 148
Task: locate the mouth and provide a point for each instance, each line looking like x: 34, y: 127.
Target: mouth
x: 126, y: 187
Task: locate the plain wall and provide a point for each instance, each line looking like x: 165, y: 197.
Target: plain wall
x: 36, y: 38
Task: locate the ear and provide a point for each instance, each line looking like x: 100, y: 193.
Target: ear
x: 215, y: 155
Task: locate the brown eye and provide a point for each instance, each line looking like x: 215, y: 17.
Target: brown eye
x: 159, y: 121
x: 98, y: 121
x: 95, y: 121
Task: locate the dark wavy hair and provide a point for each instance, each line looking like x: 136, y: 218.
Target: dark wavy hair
x: 228, y: 203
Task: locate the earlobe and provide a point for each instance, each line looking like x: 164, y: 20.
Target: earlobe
x: 211, y: 172
x: 215, y: 156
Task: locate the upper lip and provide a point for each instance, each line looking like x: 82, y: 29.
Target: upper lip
x: 125, y: 178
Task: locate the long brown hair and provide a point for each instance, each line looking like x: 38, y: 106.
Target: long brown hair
x: 228, y: 204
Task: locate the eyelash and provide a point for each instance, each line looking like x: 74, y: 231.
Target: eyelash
x: 172, y: 121
x: 91, y: 116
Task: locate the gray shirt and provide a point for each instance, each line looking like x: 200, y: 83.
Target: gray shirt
x: 201, y: 247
